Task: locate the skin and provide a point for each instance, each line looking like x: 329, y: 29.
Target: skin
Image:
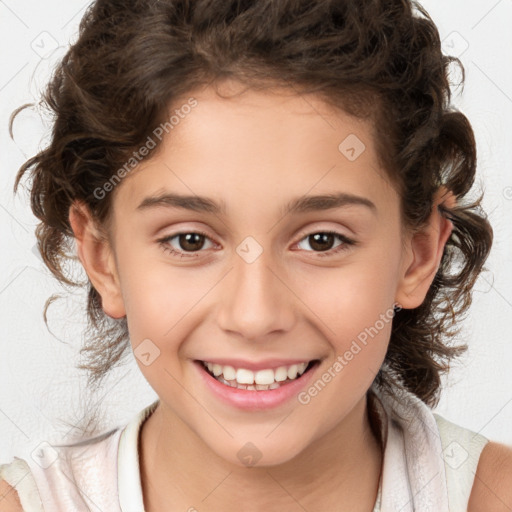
x: 279, y: 148
x: 491, y: 490
x: 257, y: 151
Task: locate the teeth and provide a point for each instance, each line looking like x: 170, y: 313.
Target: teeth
x: 244, y: 376
x: 260, y: 380
x: 292, y: 371
x: 228, y: 372
x: 264, y: 377
x: 281, y: 373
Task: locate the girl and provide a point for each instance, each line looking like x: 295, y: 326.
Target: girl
x: 270, y: 201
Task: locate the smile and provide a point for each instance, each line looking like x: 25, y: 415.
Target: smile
x: 260, y: 380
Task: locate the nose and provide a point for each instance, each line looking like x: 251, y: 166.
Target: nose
x: 257, y: 299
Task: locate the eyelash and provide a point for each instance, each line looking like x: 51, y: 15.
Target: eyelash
x: 347, y: 243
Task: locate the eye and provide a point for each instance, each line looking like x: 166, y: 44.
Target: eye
x: 323, y: 240
x: 190, y: 242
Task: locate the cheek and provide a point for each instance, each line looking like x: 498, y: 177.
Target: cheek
x: 351, y: 298
x: 354, y: 304
x: 356, y: 312
x: 153, y: 294
x: 164, y: 304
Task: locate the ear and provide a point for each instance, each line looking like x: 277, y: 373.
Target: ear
x: 97, y: 257
x: 424, y: 253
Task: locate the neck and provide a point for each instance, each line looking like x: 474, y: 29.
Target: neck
x: 343, y: 466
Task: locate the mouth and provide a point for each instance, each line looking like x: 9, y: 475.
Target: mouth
x: 266, y: 379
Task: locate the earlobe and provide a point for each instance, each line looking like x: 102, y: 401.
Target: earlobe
x: 425, y: 253
x: 97, y: 258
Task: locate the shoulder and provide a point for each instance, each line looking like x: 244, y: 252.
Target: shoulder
x: 492, y: 487
x: 18, y: 488
x: 9, y: 500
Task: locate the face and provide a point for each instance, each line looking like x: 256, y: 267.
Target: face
x: 236, y: 276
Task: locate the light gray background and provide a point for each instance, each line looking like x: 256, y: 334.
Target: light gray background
x: 39, y: 388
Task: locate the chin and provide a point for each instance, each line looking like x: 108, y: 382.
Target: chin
x: 259, y: 453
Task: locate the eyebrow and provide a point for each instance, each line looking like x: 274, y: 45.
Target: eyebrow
x: 299, y: 205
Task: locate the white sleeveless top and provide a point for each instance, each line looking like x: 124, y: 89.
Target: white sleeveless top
x: 429, y: 464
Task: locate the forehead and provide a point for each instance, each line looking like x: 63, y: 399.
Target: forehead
x: 266, y: 146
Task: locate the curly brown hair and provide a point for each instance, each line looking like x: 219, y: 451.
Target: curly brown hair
x: 376, y: 59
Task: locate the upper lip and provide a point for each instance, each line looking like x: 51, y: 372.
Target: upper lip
x: 256, y: 365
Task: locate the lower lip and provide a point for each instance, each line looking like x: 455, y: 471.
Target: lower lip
x: 255, y: 399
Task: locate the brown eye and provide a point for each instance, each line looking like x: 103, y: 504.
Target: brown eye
x: 186, y: 242
x: 190, y: 241
x: 322, y: 242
